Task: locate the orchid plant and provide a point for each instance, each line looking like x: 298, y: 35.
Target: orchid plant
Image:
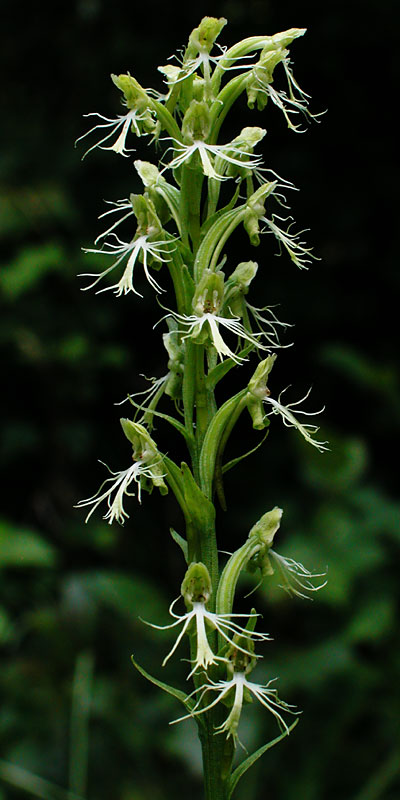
x: 179, y: 226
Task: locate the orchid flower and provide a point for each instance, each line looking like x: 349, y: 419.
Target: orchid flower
x: 220, y: 622
x: 291, y: 421
x: 118, y: 483
x: 227, y: 153
x: 141, y: 245
x: 121, y: 125
x: 211, y: 321
x: 240, y: 685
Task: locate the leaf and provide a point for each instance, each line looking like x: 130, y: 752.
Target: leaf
x: 126, y: 594
x: 189, y: 704
x: 248, y: 762
x: 26, y: 781
x: 23, y: 548
x: 29, y: 267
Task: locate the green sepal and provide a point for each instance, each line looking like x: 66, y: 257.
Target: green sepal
x: 250, y: 760
x: 181, y: 542
x: 189, y: 704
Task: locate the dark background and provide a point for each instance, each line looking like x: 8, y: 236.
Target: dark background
x: 71, y: 594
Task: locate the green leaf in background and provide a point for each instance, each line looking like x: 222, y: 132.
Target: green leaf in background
x: 31, y: 264
x: 20, y: 547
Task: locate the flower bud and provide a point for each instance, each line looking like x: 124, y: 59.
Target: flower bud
x: 254, y: 211
x: 196, y: 585
x: 136, y: 100
x: 202, y: 38
x: 258, y: 390
x: 267, y: 526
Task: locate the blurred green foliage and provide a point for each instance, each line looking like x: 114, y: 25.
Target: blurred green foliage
x: 74, y: 713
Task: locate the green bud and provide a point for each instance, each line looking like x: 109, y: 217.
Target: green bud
x: 196, y: 585
x: 136, y: 100
x: 254, y: 211
x: 148, y: 173
x: 237, y: 286
x: 267, y: 526
x: 202, y: 39
x: 196, y: 125
x: 250, y: 137
x: 258, y: 391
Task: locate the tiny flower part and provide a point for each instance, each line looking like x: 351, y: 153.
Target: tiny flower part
x: 196, y: 590
x: 240, y: 663
x: 296, y: 579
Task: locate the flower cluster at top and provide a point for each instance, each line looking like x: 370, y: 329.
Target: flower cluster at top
x: 176, y: 231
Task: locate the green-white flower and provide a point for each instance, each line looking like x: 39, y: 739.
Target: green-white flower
x: 117, y: 489
x: 196, y: 591
x: 119, y: 125
x: 142, y: 247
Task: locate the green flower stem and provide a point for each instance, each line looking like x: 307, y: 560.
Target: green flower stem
x: 231, y: 572
x: 216, y: 784
x: 224, y: 102
x: 190, y: 203
x: 202, y: 404
x: 167, y: 121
